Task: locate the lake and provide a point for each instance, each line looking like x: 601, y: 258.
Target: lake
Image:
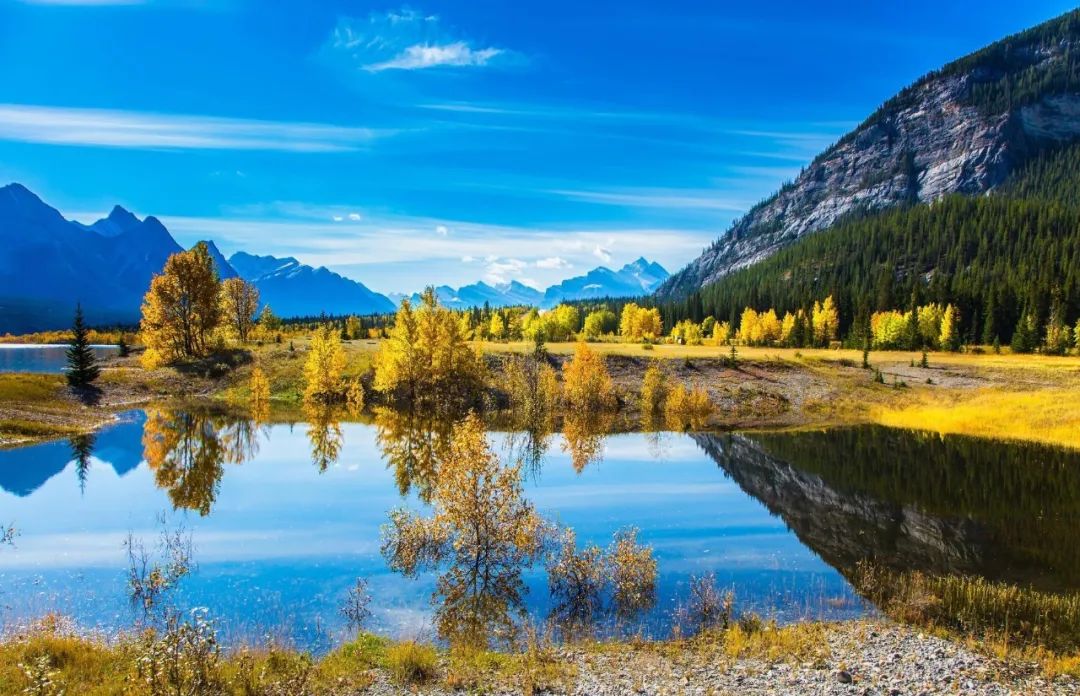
x: 42, y: 358
x: 284, y: 518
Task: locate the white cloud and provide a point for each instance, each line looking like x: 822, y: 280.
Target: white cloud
x: 418, y: 57
x: 144, y: 130
x: 553, y: 262
x: 442, y: 230
x: 407, y: 40
x: 468, y: 259
x: 355, y: 217
x: 503, y: 270
x: 338, y: 218
x: 601, y: 253
x: 681, y: 199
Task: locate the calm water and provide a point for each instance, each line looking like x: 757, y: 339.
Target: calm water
x: 41, y: 358
x: 284, y: 518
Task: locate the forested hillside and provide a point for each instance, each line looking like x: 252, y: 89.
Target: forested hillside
x: 996, y: 257
x: 968, y: 128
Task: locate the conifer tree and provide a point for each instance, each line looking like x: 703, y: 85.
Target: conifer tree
x: 82, y: 367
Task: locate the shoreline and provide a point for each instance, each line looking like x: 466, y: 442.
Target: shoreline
x: 1011, y: 397
x: 859, y: 656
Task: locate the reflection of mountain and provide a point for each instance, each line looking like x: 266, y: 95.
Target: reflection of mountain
x: 917, y: 502
x: 26, y: 469
x: 120, y: 446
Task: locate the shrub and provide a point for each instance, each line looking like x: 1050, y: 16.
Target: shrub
x: 411, y: 663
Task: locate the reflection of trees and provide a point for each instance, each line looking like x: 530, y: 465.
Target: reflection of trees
x: 412, y: 444
x: 1018, y: 501
x: 483, y: 534
x: 324, y: 434
x: 187, y: 449
x: 82, y: 446
x: 583, y: 436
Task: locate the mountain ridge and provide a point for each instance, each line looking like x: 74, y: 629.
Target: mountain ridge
x: 962, y: 129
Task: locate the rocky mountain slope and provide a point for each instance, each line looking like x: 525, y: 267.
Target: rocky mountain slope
x: 960, y: 130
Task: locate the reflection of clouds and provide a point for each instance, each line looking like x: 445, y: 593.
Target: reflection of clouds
x: 574, y: 496
x: 405, y: 622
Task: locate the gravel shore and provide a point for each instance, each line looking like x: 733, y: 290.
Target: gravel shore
x: 864, y: 658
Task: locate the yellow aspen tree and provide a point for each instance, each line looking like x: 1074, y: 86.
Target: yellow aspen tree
x: 587, y: 384
x: 181, y: 309
x: 325, y: 362
x: 239, y: 302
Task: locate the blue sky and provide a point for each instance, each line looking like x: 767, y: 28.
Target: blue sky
x: 446, y: 142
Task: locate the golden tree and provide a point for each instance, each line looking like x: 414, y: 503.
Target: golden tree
x: 181, y: 309
x: 640, y: 324
x: 427, y: 358
x: 353, y: 327
x: 483, y: 532
x: 687, y: 408
x: 826, y: 321
x: 587, y: 384
x: 239, y: 302
x: 322, y: 371
x: 654, y: 389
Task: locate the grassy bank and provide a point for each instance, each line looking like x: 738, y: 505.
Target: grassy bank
x: 49, y: 659
x: 1025, y: 397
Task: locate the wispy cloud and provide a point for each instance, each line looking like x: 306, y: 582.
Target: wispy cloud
x: 84, y: 3
x: 553, y: 262
x: 409, y: 40
x: 683, y: 199
x: 144, y: 130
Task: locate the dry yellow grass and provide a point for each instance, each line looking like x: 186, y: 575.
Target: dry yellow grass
x: 1044, y: 415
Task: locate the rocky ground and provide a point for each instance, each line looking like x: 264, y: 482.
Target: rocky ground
x: 864, y: 658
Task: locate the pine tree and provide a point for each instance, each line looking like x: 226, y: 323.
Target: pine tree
x: 122, y: 346
x: 82, y: 365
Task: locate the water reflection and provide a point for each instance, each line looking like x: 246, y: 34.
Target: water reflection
x: 324, y: 434
x: 918, y: 501
x: 187, y: 451
x: 412, y: 443
x: 787, y: 505
x: 82, y: 447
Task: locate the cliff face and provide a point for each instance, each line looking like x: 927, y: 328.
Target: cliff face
x: 934, y: 139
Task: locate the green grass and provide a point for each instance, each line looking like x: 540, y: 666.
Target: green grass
x: 24, y: 386
x: 34, y: 429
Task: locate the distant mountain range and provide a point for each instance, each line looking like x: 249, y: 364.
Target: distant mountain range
x: 638, y: 278
x: 293, y: 289
x: 48, y: 263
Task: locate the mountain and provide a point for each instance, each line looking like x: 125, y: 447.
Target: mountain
x: 478, y: 294
x: 638, y: 278
x: 964, y: 129
x: 632, y: 280
x: 293, y: 289
x: 223, y: 268
x: 47, y: 263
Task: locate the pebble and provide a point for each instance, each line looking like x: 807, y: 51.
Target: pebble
x: 891, y: 660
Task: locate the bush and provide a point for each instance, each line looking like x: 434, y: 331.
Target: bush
x: 411, y: 663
